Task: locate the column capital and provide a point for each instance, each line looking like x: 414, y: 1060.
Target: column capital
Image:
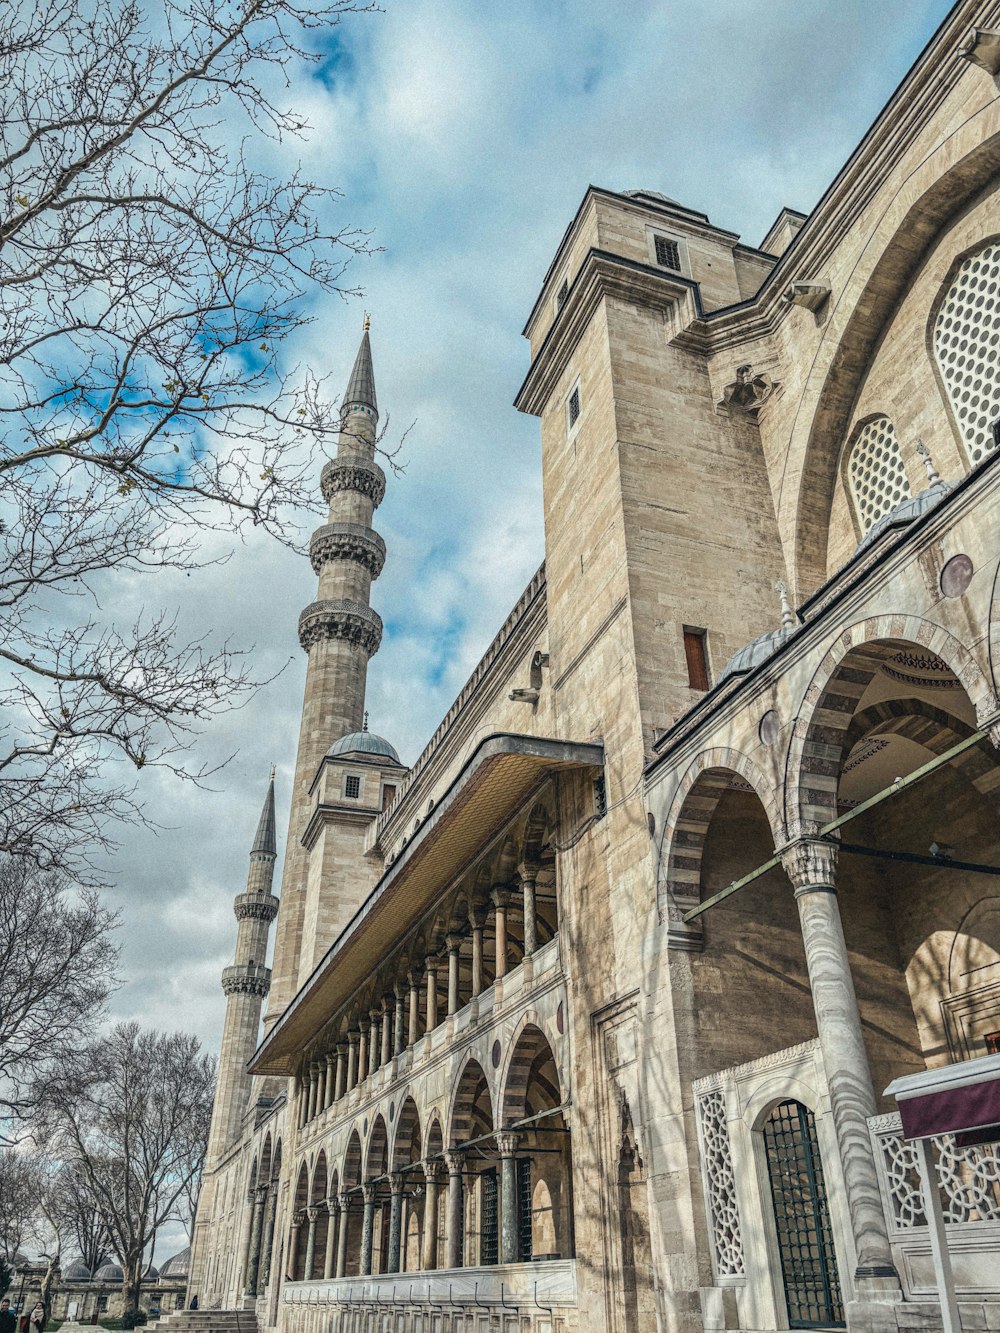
x: 261, y: 1192
x: 432, y: 1171
x: 396, y: 1182
x: 414, y: 976
x: 353, y: 1038
x: 345, y: 1201
x: 811, y: 865
x: 333, y: 1204
x: 501, y: 895
x: 313, y: 1212
x: 477, y: 917
x: 400, y: 989
x: 528, y: 870
x: 431, y: 963
x: 453, y: 1161
x: 369, y: 1193
x: 297, y: 1220
x: 507, y: 1141
x: 454, y: 942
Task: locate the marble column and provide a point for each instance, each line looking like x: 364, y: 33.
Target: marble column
x: 368, y: 1230
x: 313, y: 1090
x: 454, y: 943
x: 345, y: 1205
x: 413, y: 985
x: 333, y: 1208
x: 253, y: 1258
x: 328, y: 1090
x: 399, y: 1029
x: 432, y: 995
x: 501, y: 901
x: 429, y: 1247
x: 312, y: 1213
x: 302, y: 1092
x: 374, y: 1040
x: 386, y: 1032
x: 267, y: 1245
x: 811, y: 865
x: 293, y: 1242
x: 507, y: 1146
x: 352, y: 1061
x: 528, y: 876
x: 476, y: 922
x: 340, y: 1083
x: 395, y: 1222
x: 453, y: 1229
x: 362, y: 1053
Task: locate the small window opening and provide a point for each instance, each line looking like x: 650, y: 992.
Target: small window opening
x: 992, y: 1040
x: 388, y: 795
x: 574, y: 406
x: 696, y: 655
x: 562, y: 293
x: 668, y: 253
x: 352, y: 786
x: 600, y: 797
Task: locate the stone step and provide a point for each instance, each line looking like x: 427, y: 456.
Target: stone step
x: 206, y: 1321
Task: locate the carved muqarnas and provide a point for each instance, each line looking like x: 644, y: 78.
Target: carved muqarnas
x: 748, y: 392
x: 347, y: 541
x: 341, y: 475
x: 340, y: 618
x: 249, y: 980
x: 252, y: 907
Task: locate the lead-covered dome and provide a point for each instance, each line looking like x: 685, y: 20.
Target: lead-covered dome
x: 77, y: 1271
x: 109, y: 1272
x: 177, y: 1265
x: 905, y: 512
x: 364, y: 743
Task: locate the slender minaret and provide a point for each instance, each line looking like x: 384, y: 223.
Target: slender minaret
x: 340, y: 632
x: 246, y: 984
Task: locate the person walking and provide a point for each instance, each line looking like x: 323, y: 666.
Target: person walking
x: 35, y: 1321
x: 8, y: 1319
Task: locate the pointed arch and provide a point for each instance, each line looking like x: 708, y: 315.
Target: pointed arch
x: 377, y: 1156
x: 471, y: 1105
x: 350, y: 1171
x: 406, y: 1147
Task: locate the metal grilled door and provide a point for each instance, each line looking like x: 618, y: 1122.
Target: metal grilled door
x: 802, y: 1215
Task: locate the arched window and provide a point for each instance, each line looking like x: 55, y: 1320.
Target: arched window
x: 876, y: 472
x: 967, y: 347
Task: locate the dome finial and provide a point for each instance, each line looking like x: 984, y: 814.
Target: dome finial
x: 787, y: 614
x: 933, y: 476
x: 273, y: 771
x: 368, y: 321
x: 364, y: 726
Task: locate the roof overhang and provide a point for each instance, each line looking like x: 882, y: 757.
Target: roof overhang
x: 501, y: 774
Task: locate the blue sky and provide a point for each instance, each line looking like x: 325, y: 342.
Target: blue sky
x: 463, y: 135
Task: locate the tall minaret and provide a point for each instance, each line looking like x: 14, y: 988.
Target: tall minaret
x: 246, y: 984
x: 340, y: 632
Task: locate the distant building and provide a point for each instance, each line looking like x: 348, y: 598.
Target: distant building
x: 78, y: 1295
x: 521, y: 1068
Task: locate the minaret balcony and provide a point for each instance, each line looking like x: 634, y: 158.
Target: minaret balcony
x: 347, y: 541
x: 256, y: 907
x: 340, y: 618
x: 246, y: 979
x: 342, y: 474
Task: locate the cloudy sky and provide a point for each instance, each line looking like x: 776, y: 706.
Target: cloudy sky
x: 463, y: 134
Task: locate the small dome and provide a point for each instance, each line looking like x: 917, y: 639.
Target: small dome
x: 364, y: 743
x: 77, y: 1271
x: 752, y: 654
x: 905, y: 512
x: 109, y: 1273
x: 151, y: 1274
x: 177, y: 1265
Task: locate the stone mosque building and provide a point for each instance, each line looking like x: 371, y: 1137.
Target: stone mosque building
x: 586, y: 1020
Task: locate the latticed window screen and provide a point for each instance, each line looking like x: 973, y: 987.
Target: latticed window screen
x: 967, y: 347
x: 523, y: 1209
x: 875, y: 467
x: 489, y: 1248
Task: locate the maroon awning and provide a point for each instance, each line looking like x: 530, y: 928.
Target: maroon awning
x: 950, y: 1099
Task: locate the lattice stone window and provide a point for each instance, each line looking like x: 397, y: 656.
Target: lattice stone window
x: 720, y: 1185
x: 967, y: 347
x: 876, y: 472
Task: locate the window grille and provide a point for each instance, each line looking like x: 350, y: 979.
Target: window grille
x: 574, y: 406
x: 524, y: 1249
x: 352, y: 786
x: 967, y: 347
x: 489, y: 1244
x: 562, y: 293
x: 875, y: 468
x: 600, y: 798
x: 668, y: 253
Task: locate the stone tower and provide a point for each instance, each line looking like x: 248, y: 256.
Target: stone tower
x: 339, y: 631
x: 246, y: 984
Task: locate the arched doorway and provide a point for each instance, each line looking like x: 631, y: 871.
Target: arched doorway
x: 802, y: 1218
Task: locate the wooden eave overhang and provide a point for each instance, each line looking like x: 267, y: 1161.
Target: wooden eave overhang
x: 494, y: 783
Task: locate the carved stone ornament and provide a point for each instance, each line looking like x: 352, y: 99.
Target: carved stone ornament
x: 340, y: 618
x: 341, y: 475
x: 811, y: 864
x: 253, y: 907
x: 249, y: 980
x: 748, y: 392
x: 347, y: 541
x: 983, y: 49
x: 809, y: 295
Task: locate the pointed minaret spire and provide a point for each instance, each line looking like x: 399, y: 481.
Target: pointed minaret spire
x: 340, y: 632
x: 246, y: 983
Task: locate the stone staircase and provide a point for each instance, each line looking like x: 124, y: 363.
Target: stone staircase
x: 205, y: 1321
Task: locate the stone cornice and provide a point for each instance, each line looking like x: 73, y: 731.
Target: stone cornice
x: 343, y: 475
x: 336, y: 814
x: 255, y: 907
x: 347, y: 541
x: 340, y: 618
x: 602, y: 274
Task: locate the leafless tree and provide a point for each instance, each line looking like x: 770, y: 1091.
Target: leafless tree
x: 150, y: 279
x: 129, y: 1117
x: 58, y: 969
